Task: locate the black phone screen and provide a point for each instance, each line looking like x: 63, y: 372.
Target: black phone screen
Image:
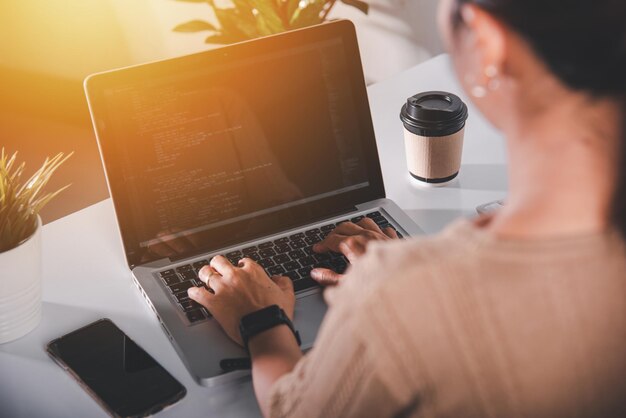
x: 115, y: 370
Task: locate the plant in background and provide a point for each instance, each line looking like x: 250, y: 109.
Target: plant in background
x: 249, y: 19
x: 20, y: 203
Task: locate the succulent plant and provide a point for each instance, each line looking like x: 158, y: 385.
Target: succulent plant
x: 21, y: 202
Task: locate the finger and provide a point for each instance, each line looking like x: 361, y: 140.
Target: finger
x: 222, y: 265
x: 353, y: 247
x: 283, y: 282
x: 247, y: 263
x: 325, y: 277
x: 201, y: 295
x: 330, y: 243
x: 348, y: 228
x: 369, y: 224
x: 205, y: 272
x: 391, y: 233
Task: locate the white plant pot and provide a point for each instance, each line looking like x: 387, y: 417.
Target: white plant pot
x: 20, y: 288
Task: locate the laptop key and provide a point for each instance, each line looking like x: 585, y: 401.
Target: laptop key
x: 356, y: 219
x: 328, y: 228
x: 253, y: 256
x: 297, y: 244
x: 167, y: 273
x: 170, y: 280
x: 321, y: 257
x: 282, y: 248
x: 189, y: 305
x: 296, y: 254
x: 305, y: 272
x: 181, y: 287
x: 293, y: 275
x: 265, y: 245
x: 199, y: 264
x: 268, y: 252
x: 275, y: 270
x: 266, y: 263
x: 308, y: 251
x: 307, y: 261
x: 249, y: 250
x: 188, y: 275
x: 312, y: 239
x: 281, y: 258
x: 292, y: 265
x: 281, y: 241
x: 234, y: 254
x: 313, y: 231
x: 299, y: 235
x: 181, y: 296
x: 374, y: 215
x: 186, y: 267
x: 195, y: 315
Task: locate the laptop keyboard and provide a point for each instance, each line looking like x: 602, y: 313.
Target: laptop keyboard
x: 290, y: 256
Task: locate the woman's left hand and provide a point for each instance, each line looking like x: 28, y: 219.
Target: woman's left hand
x: 239, y: 291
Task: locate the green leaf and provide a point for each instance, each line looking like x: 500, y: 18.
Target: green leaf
x: 308, y: 16
x: 230, y: 22
x: 268, y: 19
x: 292, y: 6
x: 195, y: 26
x: 246, y: 22
x: 361, y: 5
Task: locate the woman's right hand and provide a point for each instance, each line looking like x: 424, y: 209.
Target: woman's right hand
x: 351, y: 240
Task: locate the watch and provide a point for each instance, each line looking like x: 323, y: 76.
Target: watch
x: 256, y: 322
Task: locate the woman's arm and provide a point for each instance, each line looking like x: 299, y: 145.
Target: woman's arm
x: 274, y: 353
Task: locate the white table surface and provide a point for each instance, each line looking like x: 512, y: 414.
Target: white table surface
x: 86, y: 278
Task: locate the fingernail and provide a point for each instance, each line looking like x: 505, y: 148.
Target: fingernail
x: 192, y: 291
x: 315, y: 273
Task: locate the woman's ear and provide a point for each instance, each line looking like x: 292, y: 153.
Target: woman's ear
x: 489, y: 41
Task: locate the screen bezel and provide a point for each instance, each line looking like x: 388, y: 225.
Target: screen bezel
x: 53, y: 352
x: 97, y: 84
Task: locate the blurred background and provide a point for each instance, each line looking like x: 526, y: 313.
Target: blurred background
x: 50, y: 46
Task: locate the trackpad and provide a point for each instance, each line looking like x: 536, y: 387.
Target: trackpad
x: 310, y: 311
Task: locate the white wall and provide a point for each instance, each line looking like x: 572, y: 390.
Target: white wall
x: 72, y: 38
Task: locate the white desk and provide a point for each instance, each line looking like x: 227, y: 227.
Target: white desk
x: 85, y: 276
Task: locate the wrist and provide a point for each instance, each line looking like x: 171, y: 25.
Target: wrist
x: 264, y: 320
x: 276, y: 340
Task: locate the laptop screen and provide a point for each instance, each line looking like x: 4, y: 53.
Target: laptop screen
x: 234, y: 147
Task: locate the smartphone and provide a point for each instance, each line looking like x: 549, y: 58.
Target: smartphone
x: 124, y: 379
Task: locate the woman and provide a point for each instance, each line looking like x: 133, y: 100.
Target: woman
x: 519, y: 314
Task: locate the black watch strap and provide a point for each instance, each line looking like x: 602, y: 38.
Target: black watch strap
x: 256, y: 322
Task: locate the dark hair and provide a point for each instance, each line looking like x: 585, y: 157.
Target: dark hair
x: 583, y: 42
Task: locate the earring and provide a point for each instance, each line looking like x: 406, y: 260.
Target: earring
x: 493, y: 82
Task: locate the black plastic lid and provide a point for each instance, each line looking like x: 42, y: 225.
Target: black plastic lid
x: 434, y: 113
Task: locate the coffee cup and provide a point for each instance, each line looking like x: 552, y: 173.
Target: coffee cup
x: 434, y: 126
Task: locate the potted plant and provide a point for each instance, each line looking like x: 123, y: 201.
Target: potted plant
x: 249, y: 19
x: 20, y: 243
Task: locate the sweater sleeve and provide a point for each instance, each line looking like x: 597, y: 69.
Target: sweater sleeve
x: 347, y: 373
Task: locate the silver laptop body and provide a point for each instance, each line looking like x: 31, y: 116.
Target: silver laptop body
x: 240, y: 150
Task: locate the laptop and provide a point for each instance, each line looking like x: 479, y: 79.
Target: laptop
x: 258, y: 150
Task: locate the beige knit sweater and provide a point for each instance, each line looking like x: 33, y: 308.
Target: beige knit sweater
x: 466, y: 325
